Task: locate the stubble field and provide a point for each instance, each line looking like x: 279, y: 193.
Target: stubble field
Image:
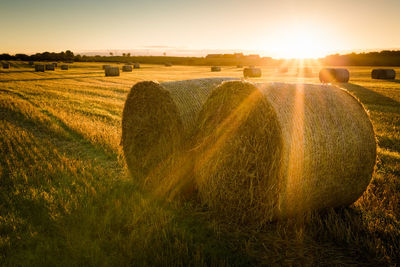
x: 66, y: 197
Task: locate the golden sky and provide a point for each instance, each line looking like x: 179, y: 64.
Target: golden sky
x: 281, y: 29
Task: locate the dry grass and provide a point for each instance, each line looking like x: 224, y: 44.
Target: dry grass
x: 67, y: 200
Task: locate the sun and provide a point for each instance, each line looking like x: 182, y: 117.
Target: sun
x: 300, y: 42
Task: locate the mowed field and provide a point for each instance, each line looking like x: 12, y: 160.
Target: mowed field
x: 66, y: 197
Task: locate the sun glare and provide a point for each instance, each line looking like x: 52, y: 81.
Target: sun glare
x: 300, y: 42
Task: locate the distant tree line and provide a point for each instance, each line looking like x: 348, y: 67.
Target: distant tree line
x: 383, y: 58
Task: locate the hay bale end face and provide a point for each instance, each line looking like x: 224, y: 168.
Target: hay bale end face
x: 330, y: 75
x: 215, y: 68
x: 136, y: 66
x: 111, y: 71
x: 127, y: 68
x: 50, y: 67
x: 157, y: 123
x: 260, y: 156
x: 6, y: 65
x: 39, y: 67
x: 252, y: 72
x: 385, y: 74
x: 64, y: 67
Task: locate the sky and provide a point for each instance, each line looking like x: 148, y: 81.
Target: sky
x: 277, y: 28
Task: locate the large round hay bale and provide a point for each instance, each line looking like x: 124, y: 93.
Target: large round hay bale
x: 330, y: 75
x: 157, y: 122
x: 386, y: 74
x: 111, y: 71
x: 127, y: 68
x: 252, y: 72
x: 215, y: 68
x: 64, y: 67
x: 270, y: 151
x: 39, y: 67
x: 136, y: 66
x: 6, y: 65
x: 106, y: 66
x: 49, y: 67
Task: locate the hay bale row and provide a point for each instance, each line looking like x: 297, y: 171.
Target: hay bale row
x: 50, y: 67
x: 256, y: 152
x: 127, y: 68
x: 385, y: 74
x: 64, y: 67
x: 5, y: 65
x: 111, y: 71
x: 157, y: 122
x: 252, y: 72
x: 269, y: 151
x: 215, y: 68
x: 40, y: 67
x: 330, y: 75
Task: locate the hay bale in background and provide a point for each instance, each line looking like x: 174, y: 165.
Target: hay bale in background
x: 39, y: 67
x: 111, y: 71
x: 239, y: 66
x: 168, y: 64
x: 385, y: 74
x: 330, y: 75
x: 283, y: 69
x: 55, y: 65
x: 50, y: 67
x: 127, y: 68
x: 5, y: 65
x: 215, y: 68
x: 106, y: 66
x: 136, y: 66
x: 157, y: 123
x: 64, y: 67
x: 268, y: 151
x: 251, y: 72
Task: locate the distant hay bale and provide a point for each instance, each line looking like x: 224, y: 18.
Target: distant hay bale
x: 111, y: 71
x: 6, y: 65
x: 239, y: 66
x: 127, y: 68
x: 64, y: 67
x: 252, y: 72
x: 39, y: 67
x: 385, y: 74
x: 329, y: 75
x: 157, y: 122
x: 283, y: 69
x: 168, y: 64
x: 273, y: 150
x: 55, y: 65
x: 106, y: 66
x: 136, y: 66
x: 50, y: 67
x: 215, y: 68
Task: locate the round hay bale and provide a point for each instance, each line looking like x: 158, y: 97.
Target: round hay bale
x: 49, y: 67
x: 283, y: 69
x: 215, y: 68
x: 111, y: 71
x: 252, y: 72
x: 39, y: 67
x: 127, y: 68
x: 157, y: 122
x: 168, y: 64
x: 6, y: 65
x: 106, y: 66
x: 330, y: 75
x: 270, y: 151
x: 136, y: 66
x: 385, y: 74
x: 64, y: 67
